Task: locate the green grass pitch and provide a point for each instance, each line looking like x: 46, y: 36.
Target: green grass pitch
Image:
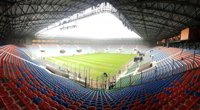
x: 97, y: 63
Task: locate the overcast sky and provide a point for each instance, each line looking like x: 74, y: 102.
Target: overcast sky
x: 100, y: 26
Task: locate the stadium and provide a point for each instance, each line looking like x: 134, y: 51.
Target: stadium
x: 99, y: 55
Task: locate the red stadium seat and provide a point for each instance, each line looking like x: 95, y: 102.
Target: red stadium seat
x: 74, y: 107
x: 4, y: 93
x: 13, y: 107
x: 32, y: 106
x: 7, y: 100
x: 61, y: 107
x: 91, y: 108
x: 44, y: 106
x: 26, y: 101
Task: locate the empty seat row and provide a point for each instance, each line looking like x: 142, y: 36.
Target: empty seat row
x: 26, y: 85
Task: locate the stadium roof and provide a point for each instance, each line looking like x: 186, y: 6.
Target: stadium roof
x: 152, y: 19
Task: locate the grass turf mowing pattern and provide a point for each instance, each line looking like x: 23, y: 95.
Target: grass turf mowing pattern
x: 98, y: 63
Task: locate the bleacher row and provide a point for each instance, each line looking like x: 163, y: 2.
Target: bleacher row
x: 27, y: 86
x: 178, y: 63
x: 169, y: 61
x: 160, y: 53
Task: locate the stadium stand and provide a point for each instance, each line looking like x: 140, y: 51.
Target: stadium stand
x: 165, y: 77
x: 25, y: 85
x: 169, y: 61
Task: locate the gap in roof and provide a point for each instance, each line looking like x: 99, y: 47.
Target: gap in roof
x: 101, y: 24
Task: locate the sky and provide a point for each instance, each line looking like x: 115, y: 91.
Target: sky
x: 99, y: 26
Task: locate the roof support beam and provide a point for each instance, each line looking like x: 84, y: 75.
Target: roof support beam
x: 129, y: 12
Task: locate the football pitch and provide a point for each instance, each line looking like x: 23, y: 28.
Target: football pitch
x: 96, y: 64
